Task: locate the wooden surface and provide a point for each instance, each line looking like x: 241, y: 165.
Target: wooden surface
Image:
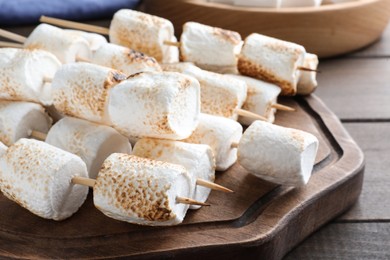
x: 343, y: 27
x: 357, y: 88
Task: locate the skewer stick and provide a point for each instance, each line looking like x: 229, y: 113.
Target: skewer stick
x: 249, y: 114
x: 212, y: 185
x: 176, y: 44
x: 189, y: 201
x: 74, y: 25
x: 12, y: 36
x: 282, y: 107
x: 38, y: 135
x: 308, y: 69
x: 47, y: 79
x: 234, y: 145
x: 4, y: 44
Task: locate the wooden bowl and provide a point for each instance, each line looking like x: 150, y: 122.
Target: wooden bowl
x: 328, y: 30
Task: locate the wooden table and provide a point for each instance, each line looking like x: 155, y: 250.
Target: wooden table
x: 356, y: 88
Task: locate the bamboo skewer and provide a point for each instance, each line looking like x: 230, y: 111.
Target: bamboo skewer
x: 282, y: 107
x: 75, y: 25
x: 246, y: 113
x: 4, y: 44
x: 91, y: 183
x: 38, y: 135
x: 308, y: 69
x: 175, y: 44
x: 12, y: 36
x: 234, y: 145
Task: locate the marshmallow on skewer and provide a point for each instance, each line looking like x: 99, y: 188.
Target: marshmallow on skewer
x: 23, y: 76
x: 307, y: 82
x: 221, y: 95
x: 143, y: 32
x: 82, y: 90
x: 210, y: 48
x: 142, y: 191
x: 66, y: 46
x: 18, y: 119
x: 272, y: 60
x: 93, y: 143
x: 198, y: 159
x: 219, y: 133
x: 7, y: 54
x: 278, y: 154
x: 163, y: 105
x: 261, y: 96
x: 94, y: 40
x: 123, y: 59
x: 38, y: 177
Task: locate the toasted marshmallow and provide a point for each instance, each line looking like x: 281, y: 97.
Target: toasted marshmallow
x: 93, y: 143
x: 142, y: 191
x: 300, y: 3
x: 66, y: 46
x: 142, y: 32
x: 257, y: 3
x: 210, y: 48
x: 124, y: 59
x: 260, y: 97
x: 156, y: 104
x: 272, y: 60
x: 7, y: 54
x: 82, y: 90
x: 94, y: 40
x: 23, y: 77
x: 19, y: 119
x: 3, y: 150
x: 38, y: 177
x: 219, y: 133
x: 198, y: 159
x: 307, y: 81
x: 220, y: 95
x: 278, y: 154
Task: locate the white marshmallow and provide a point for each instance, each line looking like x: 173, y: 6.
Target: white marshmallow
x: 307, y: 81
x: 300, y: 3
x: 209, y: 47
x: 94, y: 40
x: 66, y: 46
x: 22, y: 78
x: 142, y: 191
x: 142, y: 32
x: 272, y: 60
x: 219, y: 133
x: 278, y: 154
x: 82, y: 90
x: 3, y: 150
x: 19, y: 119
x: 198, y: 159
x: 260, y: 97
x: 259, y: 3
x: 220, y: 95
x: 38, y: 177
x: 156, y: 104
x: 7, y: 54
x: 93, y: 143
x: 123, y: 59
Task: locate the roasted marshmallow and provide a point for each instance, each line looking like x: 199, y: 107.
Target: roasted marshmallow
x: 307, y: 82
x: 94, y: 40
x: 18, y: 119
x: 93, y: 143
x: 198, y: 159
x: 38, y: 177
x: 220, y: 134
x: 142, y: 191
x: 272, y: 60
x: 278, y: 154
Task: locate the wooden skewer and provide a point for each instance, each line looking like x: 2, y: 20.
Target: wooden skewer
x: 12, y: 36
x: 38, y: 135
x: 308, y: 69
x: 176, y: 44
x: 47, y: 79
x: 4, y: 44
x: 91, y: 183
x: 234, y: 145
x: 74, y: 25
x: 282, y: 107
x: 212, y: 185
x: 249, y: 114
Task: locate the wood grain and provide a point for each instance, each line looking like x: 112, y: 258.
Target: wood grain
x: 260, y: 219
x: 346, y: 241
x: 373, y: 203
x: 356, y: 89
x: 380, y: 48
x: 348, y: 26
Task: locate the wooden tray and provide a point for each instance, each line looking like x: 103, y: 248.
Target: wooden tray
x: 327, y: 30
x: 259, y: 220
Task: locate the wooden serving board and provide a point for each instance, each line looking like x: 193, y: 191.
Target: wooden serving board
x: 260, y: 220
